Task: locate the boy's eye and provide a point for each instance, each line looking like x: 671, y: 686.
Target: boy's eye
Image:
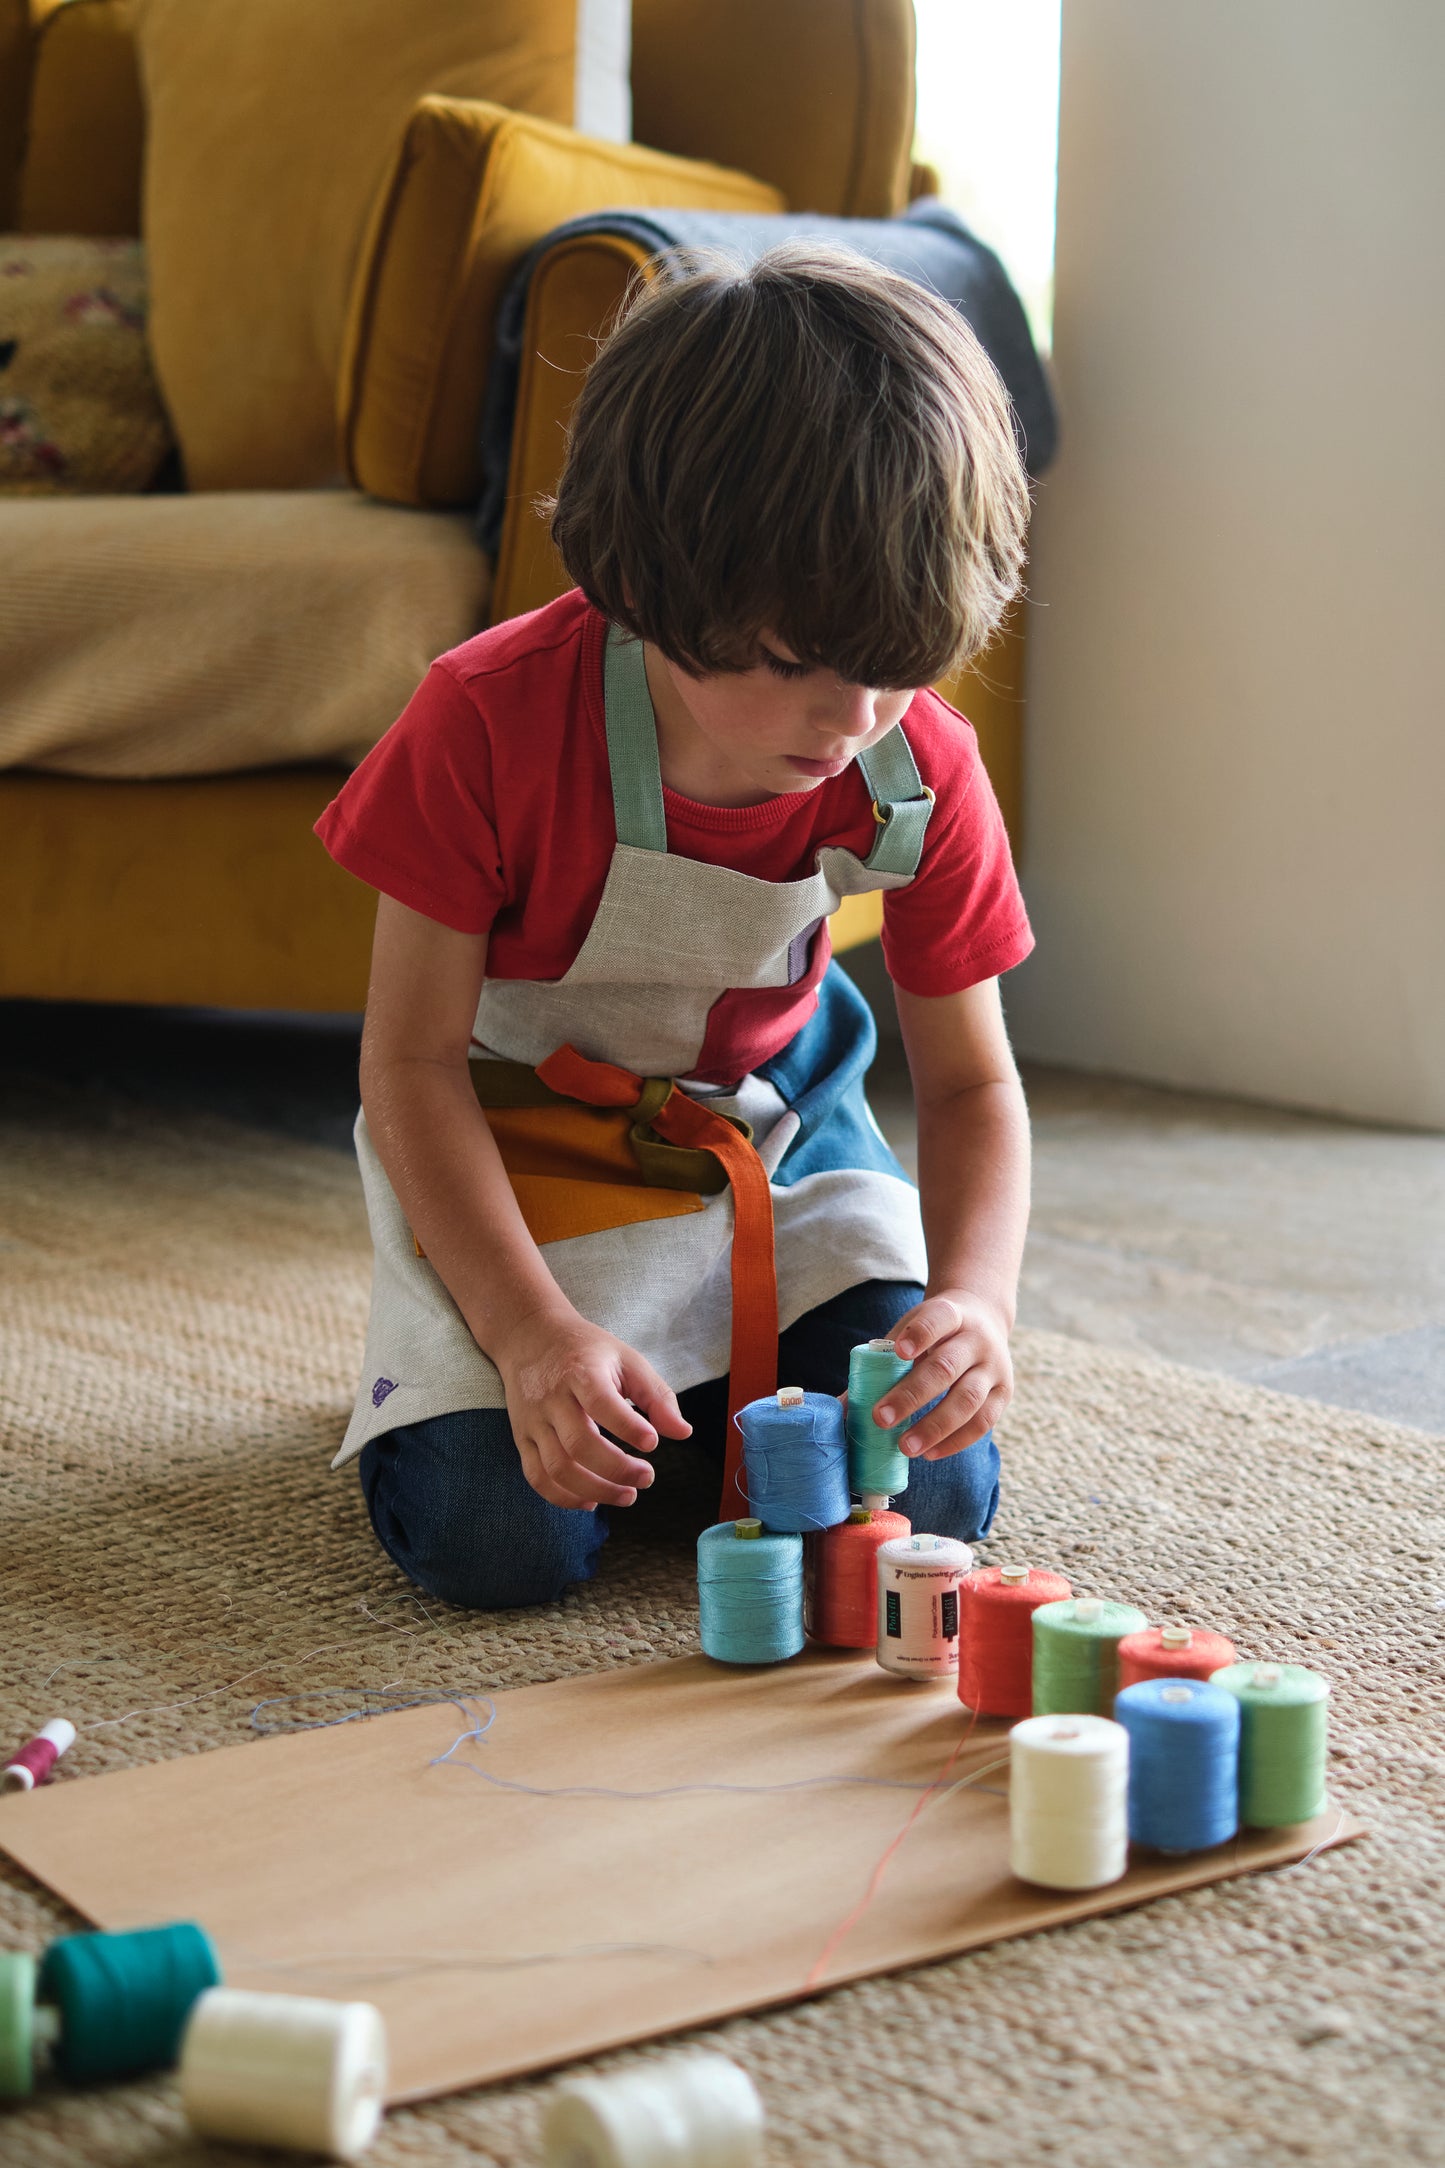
x: 783, y: 669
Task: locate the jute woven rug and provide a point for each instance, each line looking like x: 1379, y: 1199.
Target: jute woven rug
x: 181, y: 1309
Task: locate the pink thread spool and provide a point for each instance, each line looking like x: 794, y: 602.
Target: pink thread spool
x: 35, y: 1760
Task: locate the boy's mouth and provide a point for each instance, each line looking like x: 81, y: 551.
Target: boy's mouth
x: 818, y: 767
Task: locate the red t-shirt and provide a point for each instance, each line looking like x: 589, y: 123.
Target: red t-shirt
x: 488, y: 806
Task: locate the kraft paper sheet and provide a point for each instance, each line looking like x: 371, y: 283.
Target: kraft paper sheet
x: 500, y: 1933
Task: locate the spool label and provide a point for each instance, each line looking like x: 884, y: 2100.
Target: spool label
x: 948, y: 1614
x: 893, y: 1613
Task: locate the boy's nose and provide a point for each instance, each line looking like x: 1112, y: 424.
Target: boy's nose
x: 852, y: 713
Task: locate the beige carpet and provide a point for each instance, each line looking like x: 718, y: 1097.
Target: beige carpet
x: 181, y: 1311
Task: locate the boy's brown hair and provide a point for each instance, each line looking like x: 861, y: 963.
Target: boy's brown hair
x: 812, y: 447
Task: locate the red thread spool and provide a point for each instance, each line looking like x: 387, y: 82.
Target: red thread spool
x: 1172, y: 1652
x: 32, y: 1763
x: 996, y: 1636
x: 840, y: 1584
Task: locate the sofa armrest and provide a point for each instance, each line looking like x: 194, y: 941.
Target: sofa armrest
x: 81, y: 170
x: 814, y: 95
x: 474, y: 187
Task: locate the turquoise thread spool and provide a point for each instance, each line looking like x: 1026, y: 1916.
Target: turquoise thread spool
x: 795, y: 1456
x: 1076, y: 1654
x: 749, y: 1593
x: 1283, y: 1740
x: 877, y: 1466
x: 124, y: 1999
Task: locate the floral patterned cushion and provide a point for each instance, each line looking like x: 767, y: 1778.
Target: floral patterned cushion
x: 80, y: 414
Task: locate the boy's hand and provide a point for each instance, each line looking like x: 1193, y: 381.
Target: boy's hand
x: 959, y: 1347
x: 566, y: 1382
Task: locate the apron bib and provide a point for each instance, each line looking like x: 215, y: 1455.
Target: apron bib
x: 619, y: 1172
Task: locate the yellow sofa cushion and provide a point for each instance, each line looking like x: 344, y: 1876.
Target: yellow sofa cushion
x: 84, y: 141
x: 271, y: 127
x: 79, y: 409
x: 472, y: 189
x: 200, y: 634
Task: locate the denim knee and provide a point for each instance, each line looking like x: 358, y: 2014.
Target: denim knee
x: 451, y: 1506
x: 957, y: 1496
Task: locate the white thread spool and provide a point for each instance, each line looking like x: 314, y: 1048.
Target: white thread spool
x: 284, y: 2070
x: 689, y: 2111
x: 918, y: 1579
x: 1069, y: 1801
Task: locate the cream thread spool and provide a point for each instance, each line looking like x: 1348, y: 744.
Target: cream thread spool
x: 1069, y: 1801
x: 685, y: 2111
x: 918, y: 1579
x: 284, y: 2070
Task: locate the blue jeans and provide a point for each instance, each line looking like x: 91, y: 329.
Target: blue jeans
x: 452, y: 1508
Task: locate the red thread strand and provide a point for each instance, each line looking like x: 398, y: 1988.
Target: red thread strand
x: 840, y: 1590
x: 1144, y: 1656
x: 996, y: 1638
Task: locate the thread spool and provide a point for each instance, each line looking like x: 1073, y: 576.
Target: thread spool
x: 28, y: 2029
x: 795, y: 1457
x: 996, y: 1636
x: 1068, y: 1801
x: 124, y: 1999
x: 749, y: 1593
x: 1183, y: 1763
x: 877, y: 1465
x: 284, y: 2070
x: 687, y: 2111
x: 918, y: 1579
x: 1076, y: 1654
x: 1173, y: 1652
x: 1283, y: 1740
x: 840, y: 1577
x: 32, y: 1763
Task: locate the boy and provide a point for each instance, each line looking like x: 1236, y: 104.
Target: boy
x: 619, y: 1167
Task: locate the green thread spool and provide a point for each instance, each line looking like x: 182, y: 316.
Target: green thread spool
x: 24, y: 2029
x: 124, y: 1999
x: 1076, y: 1654
x: 1283, y: 1734
x: 876, y: 1466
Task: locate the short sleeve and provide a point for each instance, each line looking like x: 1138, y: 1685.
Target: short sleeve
x: 417, y: 819
x: 961, y: 919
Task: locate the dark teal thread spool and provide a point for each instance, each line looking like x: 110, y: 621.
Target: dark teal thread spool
x: 124, y: 1999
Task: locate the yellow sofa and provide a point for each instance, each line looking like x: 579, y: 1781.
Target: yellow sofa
x: 209, y: 887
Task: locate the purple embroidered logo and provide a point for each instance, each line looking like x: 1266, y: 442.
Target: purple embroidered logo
x: 380, y: 1389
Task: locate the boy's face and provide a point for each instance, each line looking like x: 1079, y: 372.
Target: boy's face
x: 753, y: 734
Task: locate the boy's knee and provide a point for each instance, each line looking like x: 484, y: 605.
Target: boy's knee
x: 955, y: 1497
x: 451, y: 1507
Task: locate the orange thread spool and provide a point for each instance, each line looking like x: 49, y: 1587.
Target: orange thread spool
x: 996, y: 1636
x: 1172, y: 1652
x: 840, y: 1587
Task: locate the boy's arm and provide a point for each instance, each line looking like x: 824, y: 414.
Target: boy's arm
x: 973, y: 1179
x: 565, y: 1378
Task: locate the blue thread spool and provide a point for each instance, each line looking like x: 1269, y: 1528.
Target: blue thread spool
x: 795, y: 1453
x: 124, y: 1999
x: 749, y: 1593
x: 877, y: 1465
x: 1183, y: 1763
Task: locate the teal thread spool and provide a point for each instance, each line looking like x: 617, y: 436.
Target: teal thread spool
x: 1283, y: 1737
x: 877, y: 1467
x: 124, y: 1999
x: 749, y: 1593
x: 1076, y: 1654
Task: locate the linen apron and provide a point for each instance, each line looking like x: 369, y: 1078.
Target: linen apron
x: 631, y: 1183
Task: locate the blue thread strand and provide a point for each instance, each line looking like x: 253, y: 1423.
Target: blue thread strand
x: 750, y: 1594
x: 796, y: 1460
x: 1183, y: 1763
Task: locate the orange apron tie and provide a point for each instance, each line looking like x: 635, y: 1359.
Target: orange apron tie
x: 753, y: 1350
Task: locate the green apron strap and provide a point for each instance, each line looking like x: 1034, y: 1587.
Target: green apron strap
x: 901, y: 804
x: 632, y: 745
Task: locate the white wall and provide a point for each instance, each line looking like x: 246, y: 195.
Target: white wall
x: 1235, y: 853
